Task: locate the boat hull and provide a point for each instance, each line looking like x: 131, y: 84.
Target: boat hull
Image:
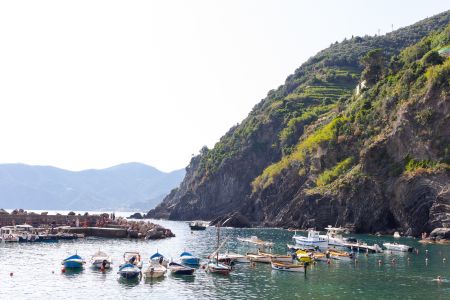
x: 73, y: 264
x: 258, y: 258
x: 288, y: 267
x: 218, y: 269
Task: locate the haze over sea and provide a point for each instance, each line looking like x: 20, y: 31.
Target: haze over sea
x: 33, y: 265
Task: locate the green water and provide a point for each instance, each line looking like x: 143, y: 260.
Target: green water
x: 37, y: 271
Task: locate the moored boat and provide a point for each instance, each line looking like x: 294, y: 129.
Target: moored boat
x: 215, y: 267
x: 255, y: 241
x: 339, y: 255
x: 179, y: 269
x: 233, y: 258
x: 155, y: 271
x: 397, y: 247
x: 276, y: 257
x: 253, y: 257
x: 101, y: 260
x: 188, y: 259
x: 197, y: 225
x: 289, y: 267
x: 314, y: 239
x: 73, y: 262
x: 304, y: 256
x: 159, y: 258
x: 133, y: 257
x: 129, y: 271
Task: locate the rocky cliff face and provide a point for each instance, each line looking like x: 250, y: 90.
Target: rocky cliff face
x: 317, y: 151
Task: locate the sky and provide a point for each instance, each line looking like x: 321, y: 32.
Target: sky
x: 91, y: 84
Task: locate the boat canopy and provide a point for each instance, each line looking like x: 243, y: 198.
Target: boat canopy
x: 76, y: 256
x: 186, y: 254
x: 156, y: 255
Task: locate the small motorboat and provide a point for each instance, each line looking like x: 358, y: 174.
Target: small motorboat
x: 133, y: 257
x: 159, y: 258
x: 197, y: 225
x: 397, y: 247
x: 101, y: 260
x: 277, y: 257
x: 179, y: 269
x: 188, y: 259
x: 305, y: 256
x: 218, y: 268
x: 155, y: 271
x: 289, y: 267
x: 339, y: 255
x: 129, y: 271
x: 233, y: 258
x: 73, y: 262
x: 255, y: 241
x: 314, y: 239
x: 253, y: 257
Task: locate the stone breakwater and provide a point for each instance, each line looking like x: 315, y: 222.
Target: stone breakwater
x: 103, y: 225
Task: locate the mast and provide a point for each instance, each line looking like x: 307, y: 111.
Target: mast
x: 218, y: 239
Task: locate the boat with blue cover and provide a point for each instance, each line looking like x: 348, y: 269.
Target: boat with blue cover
x: 73, y: 262
x: 129, y: 271
x: 188, y: 259
x: 159, y: 258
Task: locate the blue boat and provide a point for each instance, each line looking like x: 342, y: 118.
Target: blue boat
x: 129, y: 271
x: 73, y: 262
x: 188, y: 259
x: 159, y: 258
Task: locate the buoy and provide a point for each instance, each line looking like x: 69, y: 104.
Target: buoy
x: 444, y: 260
x: 63, y: 270
x: 53, y: 272
x: 11, y: 274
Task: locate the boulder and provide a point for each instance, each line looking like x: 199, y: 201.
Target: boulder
x: 3, y: 212
x: 136, y: 216
x: 440, y: 233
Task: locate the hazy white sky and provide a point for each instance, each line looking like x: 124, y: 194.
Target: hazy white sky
x: 90, y: 84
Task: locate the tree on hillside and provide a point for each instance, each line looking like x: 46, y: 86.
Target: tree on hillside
x: 374, y: 65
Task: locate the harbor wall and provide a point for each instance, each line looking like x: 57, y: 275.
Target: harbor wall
x: 42, y: 220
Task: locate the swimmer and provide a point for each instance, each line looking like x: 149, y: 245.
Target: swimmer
x: 439, y: 279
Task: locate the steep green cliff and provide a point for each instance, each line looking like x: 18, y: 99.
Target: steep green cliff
x: 358, y: 136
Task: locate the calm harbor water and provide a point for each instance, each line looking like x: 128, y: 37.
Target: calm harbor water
x: 37, y: 271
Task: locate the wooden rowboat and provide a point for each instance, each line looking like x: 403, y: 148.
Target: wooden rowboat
x: 289, y: 267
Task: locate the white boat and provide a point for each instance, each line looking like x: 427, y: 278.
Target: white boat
x: 215, y: 267
x: 277, y: 257
x: 289, y: 267
x: 253, y: 257
x: 233, y: 257
x: 155, y: 271
x: 334, y: 237
x: 397, y: 247
x: 314, y: 239
x: 339, y: 255
x: 8, y: 234
x: 396, y: 235
x: 101, y: 260
x: 255, y: 241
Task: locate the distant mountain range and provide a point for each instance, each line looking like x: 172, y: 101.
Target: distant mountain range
x: 130, y: 186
